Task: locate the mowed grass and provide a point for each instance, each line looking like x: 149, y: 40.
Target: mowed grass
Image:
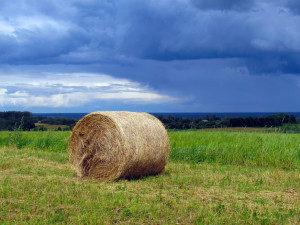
x: 39, y: 186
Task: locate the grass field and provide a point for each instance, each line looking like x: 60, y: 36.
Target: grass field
x: 50, y: 126
x: 242, y: 129
x: 250, y: 149
x: 212, y: 178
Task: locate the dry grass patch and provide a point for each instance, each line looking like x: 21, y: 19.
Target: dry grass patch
x: 50, y: 126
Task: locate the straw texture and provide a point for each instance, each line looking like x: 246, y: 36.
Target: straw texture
x: 110, y: 145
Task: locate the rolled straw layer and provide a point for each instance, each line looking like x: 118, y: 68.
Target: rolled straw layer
x: 110, y: 145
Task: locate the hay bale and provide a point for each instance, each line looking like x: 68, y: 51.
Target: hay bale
x: 111, y: 145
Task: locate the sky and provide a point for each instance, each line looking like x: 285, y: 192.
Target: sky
x: 153, y: 56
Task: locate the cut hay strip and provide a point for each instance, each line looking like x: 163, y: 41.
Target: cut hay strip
x: 112, y: 145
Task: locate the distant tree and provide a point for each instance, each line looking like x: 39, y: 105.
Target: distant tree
x: 237, y: 122
x: 292, y: 119
x: 3, y: 124
x: 209, y: 121
x: 67, y: 128
x: 40, y: 128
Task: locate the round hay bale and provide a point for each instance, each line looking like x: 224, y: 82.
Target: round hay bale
x: 110, y: 145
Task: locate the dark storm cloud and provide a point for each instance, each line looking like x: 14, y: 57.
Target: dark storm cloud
x: 180, y: 48
x: 260, y: 33
x: 274, y: 64
x: 293, y: 5
x: 175, y: 34
x: 37, y: 47
x: 224, y: 5
x: 266, y: 39
x: 53, y: 32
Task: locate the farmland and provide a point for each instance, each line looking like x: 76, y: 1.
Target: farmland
x: 213, y: 177
x: 50, y: 126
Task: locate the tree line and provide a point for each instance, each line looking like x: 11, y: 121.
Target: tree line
x: 12, y: 120
x: 213, y: 121
x: 25, y: 121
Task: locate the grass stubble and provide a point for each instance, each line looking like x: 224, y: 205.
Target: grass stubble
x: 38, y: 185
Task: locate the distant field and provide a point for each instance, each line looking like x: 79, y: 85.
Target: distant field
x: 212, y: 178
x: 50, y: 126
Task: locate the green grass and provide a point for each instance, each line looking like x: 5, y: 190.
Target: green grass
x: 39, y: 186
x: 249, y: 149
x: 291, y: 128
x: 51, y: 141
x: 229, y: 148
x: 243, y: 129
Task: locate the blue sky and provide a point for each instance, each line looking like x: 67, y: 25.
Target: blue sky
x: 154, y: 56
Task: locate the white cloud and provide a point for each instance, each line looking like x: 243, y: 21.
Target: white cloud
x: 6, y: 29
x: 2, y: 91
x: 74, y: 89
x: 33, y: 24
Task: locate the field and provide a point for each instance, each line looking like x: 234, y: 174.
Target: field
x: 242, y: 129
x: 50, y: 126
x: 212, y: 178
